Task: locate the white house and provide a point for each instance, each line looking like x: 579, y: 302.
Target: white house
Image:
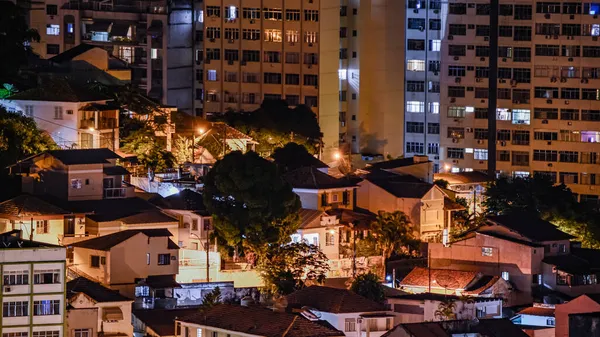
x: 345, y: 310
x: 74, y: 116
x: 539, y: 319
x: 114, y: 310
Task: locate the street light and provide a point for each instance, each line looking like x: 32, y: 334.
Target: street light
x: 337, y: 156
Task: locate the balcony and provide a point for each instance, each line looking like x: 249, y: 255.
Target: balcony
x: 152, y: 7
x: 118, y: 192
x: 103, y: 123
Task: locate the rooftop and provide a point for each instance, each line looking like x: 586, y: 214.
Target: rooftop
x: 358, y: 217
x: 333, y: 300
x: 261, y: 321
x: 537, y: 311
x: 106, y: 242
x: 161, y: 320
x: 185, y: 200
x: 470, y: 282
x: 93, y: 290
x: 59, y: 90
x: 70, y: 54
x: 396, y: 163
x: 26, y: 205
x: 313, y: 178
x: 529, y: 226
x: 310, y: 218
x: 80, y: 156
x: 463, y: 177
x: 483, y: 327
x: 13, y: 240
x: 578, y: 261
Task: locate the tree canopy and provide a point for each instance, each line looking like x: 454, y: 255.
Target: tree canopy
x: 539, y: 195
x: 293, y: 156
x: 369, y: 286
x: 275, y: 124
x: 15, y: 37
x: 286, y: 268
x: 253, y: 207
x: 149, y: 151
x: 393, y: 233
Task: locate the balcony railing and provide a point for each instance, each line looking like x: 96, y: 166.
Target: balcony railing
x: 115, y: 193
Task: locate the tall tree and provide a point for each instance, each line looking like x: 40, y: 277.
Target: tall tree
x: 293, y: 156
x: 286, y: 268
x: 149, y: 151
x: 252, y: 206
x: 393, y: 233
x: 368, y: 285
x: 15, y: 37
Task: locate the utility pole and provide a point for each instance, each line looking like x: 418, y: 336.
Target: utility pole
x: 493, y: 88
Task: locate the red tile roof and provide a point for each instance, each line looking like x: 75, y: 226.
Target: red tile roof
x: 537, y: 311
x: 333, y: 300
x: 261, y: 321
x: 451, y: 279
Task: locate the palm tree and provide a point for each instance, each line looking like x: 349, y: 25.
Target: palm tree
x: 446, y: 310
x: 392, y: 231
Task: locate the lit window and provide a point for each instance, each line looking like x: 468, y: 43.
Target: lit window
x: 415, y: 65
x: 503, y: 114
x: 415, y: 107
x: 480, y: 154
x: 505, y: 275
x: 343, y: 74
x: 273, y: 35
x: 469, y: 150
x: 595, y: 29
x: 154, y: 53
x: 455, y: 170
x: 521, y: 116
x: 486, y: 251
x: 434, y: 107
x: 70, y: 28
x: 199, y: 333
x: 520, y: 174
x: 550, y: 322
x: 435, y: 45
x: 53, y: 30
x: 211, y: 75
x: 231, y: 13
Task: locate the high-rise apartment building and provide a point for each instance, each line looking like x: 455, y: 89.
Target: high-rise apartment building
x: 33, y: 287
x: 371, y: 72
x: 154, y: 37
x: 250, y: 50
x: 547, y: 115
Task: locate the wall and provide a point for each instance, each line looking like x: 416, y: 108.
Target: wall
x: 414, y: 311
x: 82, y: 263
x: 581, y: 304
x: 91, y: 176
x: 82, y: 318
x: 128, y: 259
x: 108, y: 327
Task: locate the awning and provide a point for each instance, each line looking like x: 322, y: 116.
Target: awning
x: 99, y: 26
x: 112, y: 314
x: 119, y: 29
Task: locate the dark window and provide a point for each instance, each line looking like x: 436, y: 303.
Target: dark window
x: 482, y: 9
x: 457, y: 8
x: 523, y: 12
x: 522, y: 33
x: 52, y: 49
x: 506, y: 10
x: 505, y: 31
x: 416, y: 44
x: 51, y: 10
x: 415, y: 127
x: 164, y: 259
x: 416, y: 23
x: 95, y: 261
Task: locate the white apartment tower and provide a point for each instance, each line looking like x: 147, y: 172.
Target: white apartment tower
x: 154, y: 37
x: 371, y: 71
x: 425, y: 30
x: 33, y: 288
x: 250, y: 50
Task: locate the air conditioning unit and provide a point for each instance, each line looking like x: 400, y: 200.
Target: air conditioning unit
x: 435, y: 73
x: 436, y: 11
x: 436, y: 158
x: 547, y: 16
x: 212, y: 40
x: 421, y: 28
x: 549, y: 101
x: 478, y: 79
x: 504, y: 59
x: 230, y: 62
x: 545, y: 121
x: 502, y: 143
x: 452, y: 100
x: 457, y: 80
x: 360, y: 320
x: 548, y: 37
x: 549, y: 143
x: 310, y: 66
x: 570, y: 59
x: 567, y: 102
x: 456, y: 58
x: 513, y: 83
x: 292, y: 44
x: 516, y: 101
x: 553, y: 79
x: 572, y: 17
x: 416, y: 11
x: 469, y: 130
x: 450, y: 37
x: 584, y: 80
x: 252, y: 21
x: 481, y: 162
x: 502, y: 81
x: 455, y: 161
x: 479, y: 141
x: 482, y: 59
x: 7, y: 289
x: 454, y: 140
x: 486, y: 38
x: 310, y: 44
x: 594, y: 38
x: 230, y: 40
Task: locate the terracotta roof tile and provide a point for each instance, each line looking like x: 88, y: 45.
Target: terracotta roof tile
x: 261, y: 322
x: 537, y: 311
x: 452, y: 279
x: 333, y: 300
x: 29, y: 205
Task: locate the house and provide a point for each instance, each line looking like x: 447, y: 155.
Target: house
x: 512, y: 246
x: 428, y: 207
x: 319, y: 191
x: 111, y: 310
x: 467, y: 185
x: 537, y: 320
x: 93, y: 62
x: 423, y: 307
x: 140, y: 263
x: 33, y: 287
x: 455, y: 328
x: 158, y: 322
x: 584, y: 324
x: 252, y: 321
x: 344, y: 310
x: 90, y: 174
x: 419, y: 167
x: 75, y: 117
x: 40, y: 220
x: 81, y: 322
x: 455, y: 282
x: 319, y: 229
x: 584, y: 304
x: 574, y: 273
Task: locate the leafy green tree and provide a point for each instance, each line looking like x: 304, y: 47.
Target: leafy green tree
x: 292, y: 156
x: 211, y: 299
x: 393, y: 233
x: 149, y: 151
x: 20, y: 138
x: 368, y: 285
x: 275, y: 124
x: 464, y: 220
x: 183, y: 149
x: 286, y: 268
x: 15, y: 37
x: 539, y: 195
x: 253, y: 207
x: 441, y: 183
x: 445, y: 310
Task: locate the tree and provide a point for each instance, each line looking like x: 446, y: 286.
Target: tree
x: 286, y: 268
x: 20, y: 138
x: 211, y: 299
x: 253, y: 207
x: 441, y: 183
x: 464, y: 220
x: 275, y: 124
x: 393, y: 233
x: 183, y: 149
x: 369, y: 286
x: 149, y: 151
x: 293, y: 156
x: 538, y: 195
x: 15, y: 37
